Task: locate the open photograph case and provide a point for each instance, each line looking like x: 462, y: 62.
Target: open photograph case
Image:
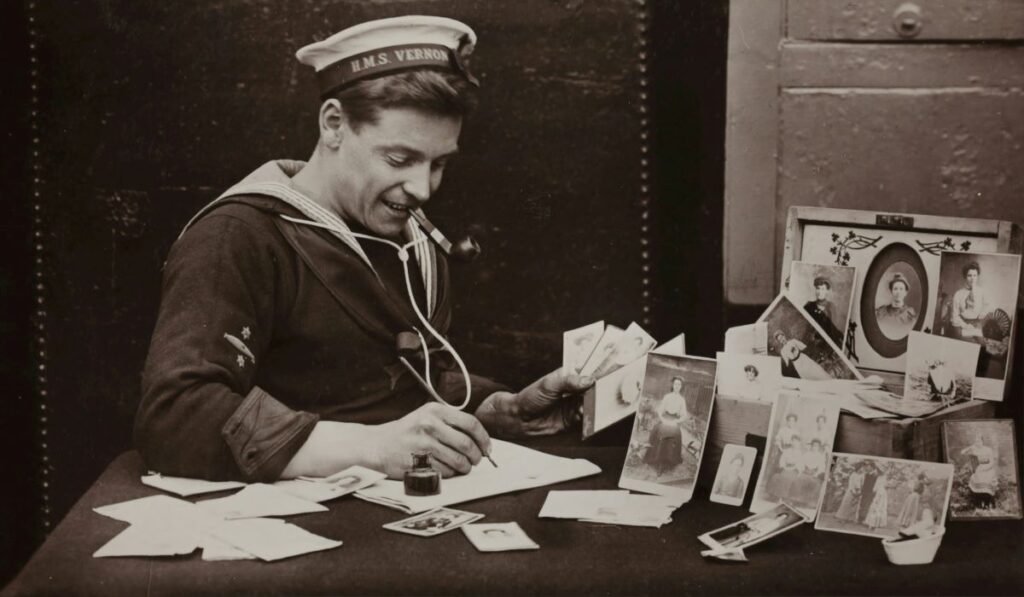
x: 894, y: 247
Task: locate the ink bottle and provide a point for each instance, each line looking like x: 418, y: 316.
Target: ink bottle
x: 423, y: 479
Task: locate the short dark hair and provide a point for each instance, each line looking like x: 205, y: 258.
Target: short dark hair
x: 898, y: 278
x: 751, y: 369
x: 436, y: 92
x: 972, y: 265
x: 822, y: 281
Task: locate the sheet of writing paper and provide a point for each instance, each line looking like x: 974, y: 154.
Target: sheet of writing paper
x: 579, y: 504
x: 518, y: 468
x: 270, y: 539
x: 341, y: 483
x: 157, y: 509
x: 260, y: 499
x: 152, y: 539
x: 216, y: 550
x: 185, y: 487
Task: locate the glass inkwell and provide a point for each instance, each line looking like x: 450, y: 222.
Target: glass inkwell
x: 422, y: 479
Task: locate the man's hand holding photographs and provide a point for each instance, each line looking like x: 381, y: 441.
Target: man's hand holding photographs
x: 749, y: 376
x: 616, y: 350
x: 434, y: 522
x: 733, y: 474
x: 670, y: 427
x: 939, y: 369
x: 800, y: 436
x: 878, y: 497
x: 825, y: 292
x: 806, y: 351
x: 976, y: 302
x: 498, y: 536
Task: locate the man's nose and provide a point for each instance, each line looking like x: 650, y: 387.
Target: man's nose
x: 418, y: 184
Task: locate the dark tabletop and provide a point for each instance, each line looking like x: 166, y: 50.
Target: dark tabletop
x: 574, y: 558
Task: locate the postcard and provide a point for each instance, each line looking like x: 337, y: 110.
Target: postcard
x: 433, y: 522
x: 806, y: 351
x: 939, y: 369
x: 825, y: 292
x: 730, y: 486
x: 986, y: 485
x: 578, y: 344
x: 749, y: 376
x: 753, y: 529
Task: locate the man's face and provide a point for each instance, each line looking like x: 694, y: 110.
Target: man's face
x: 821, y: 292
x: 386, y: 169
x: 972, y: 278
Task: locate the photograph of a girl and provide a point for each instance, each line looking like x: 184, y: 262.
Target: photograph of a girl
x: 670, y: 427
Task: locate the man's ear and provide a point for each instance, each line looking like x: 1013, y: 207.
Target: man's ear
x: 332, y: 123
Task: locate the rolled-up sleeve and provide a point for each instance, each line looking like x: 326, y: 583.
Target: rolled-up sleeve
x: 202, y: 414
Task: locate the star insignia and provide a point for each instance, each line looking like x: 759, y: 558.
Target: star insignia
x: 246, y: 332
x: 241, y: 361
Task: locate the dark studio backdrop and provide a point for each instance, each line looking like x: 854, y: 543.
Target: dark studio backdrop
x: 591, y: 175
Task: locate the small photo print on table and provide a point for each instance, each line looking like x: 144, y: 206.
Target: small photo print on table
x: 730, y: 486
x: 976, y: 302
x: 806, y: 351
x: 825, y: 292
x: 800, y: 436
x: 749, y: 376
x: 986, y: 485
x: 753, y: 529
x: 670, y: 426
x: 434, y: 522
x: 499, y: 536
x: 878, y: 497
x: 939, y: 369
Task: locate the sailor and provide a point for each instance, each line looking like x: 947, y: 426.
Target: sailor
x: 274, y: 353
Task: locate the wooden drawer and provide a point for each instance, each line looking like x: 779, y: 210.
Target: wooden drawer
x: 899, y: 20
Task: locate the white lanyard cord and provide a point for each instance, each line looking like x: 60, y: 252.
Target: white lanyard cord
x: 403, y: 256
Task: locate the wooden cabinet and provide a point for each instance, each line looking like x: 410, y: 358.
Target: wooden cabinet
x: 874, y: 104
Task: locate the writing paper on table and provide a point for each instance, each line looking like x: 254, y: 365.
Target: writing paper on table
x: 519, y: 468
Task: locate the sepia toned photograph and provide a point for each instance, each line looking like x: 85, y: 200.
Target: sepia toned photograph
x: 801, y: 433
x: 877, y: 497
x: 806, y: 351
x: 498, y: 536
x: 670, y: 427
x: 939, y: 369
x: 613, y: 353
x: 577, y: 345
x: 825, y: 292
x: 734, y: 468
x: 977, y: 301
x: 986, y: 482
x: 749, y: 376
x: 753, y: 529
x: 434, y: 522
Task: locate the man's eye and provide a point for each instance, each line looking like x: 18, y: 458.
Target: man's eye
x: 397, y: 160
x: 438, y: 165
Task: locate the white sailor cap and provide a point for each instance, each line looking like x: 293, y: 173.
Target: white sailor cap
x: 388, y: 46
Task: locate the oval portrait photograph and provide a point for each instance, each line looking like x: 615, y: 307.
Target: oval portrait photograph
x: 894, y: 299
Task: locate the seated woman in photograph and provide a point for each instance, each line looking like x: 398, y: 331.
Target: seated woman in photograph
x: 878, y: 512
x: 781, y: 484
x: 795, y: 362
x: 910, y: 511
x: 666, y: 439
x: 850, y: 504
x: 731, y: 482
x: 896, y: 318
x: 984, y: 480
x: 813, y: 464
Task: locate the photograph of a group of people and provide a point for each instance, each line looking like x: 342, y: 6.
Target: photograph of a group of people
x: 805, y: 350
x: 985, y: 483
x: 670, y: 426
x: 976, y: 302
x: 801, y: 433
x: 877, y: 497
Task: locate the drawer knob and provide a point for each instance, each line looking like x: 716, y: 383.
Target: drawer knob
x: 907, y: 20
